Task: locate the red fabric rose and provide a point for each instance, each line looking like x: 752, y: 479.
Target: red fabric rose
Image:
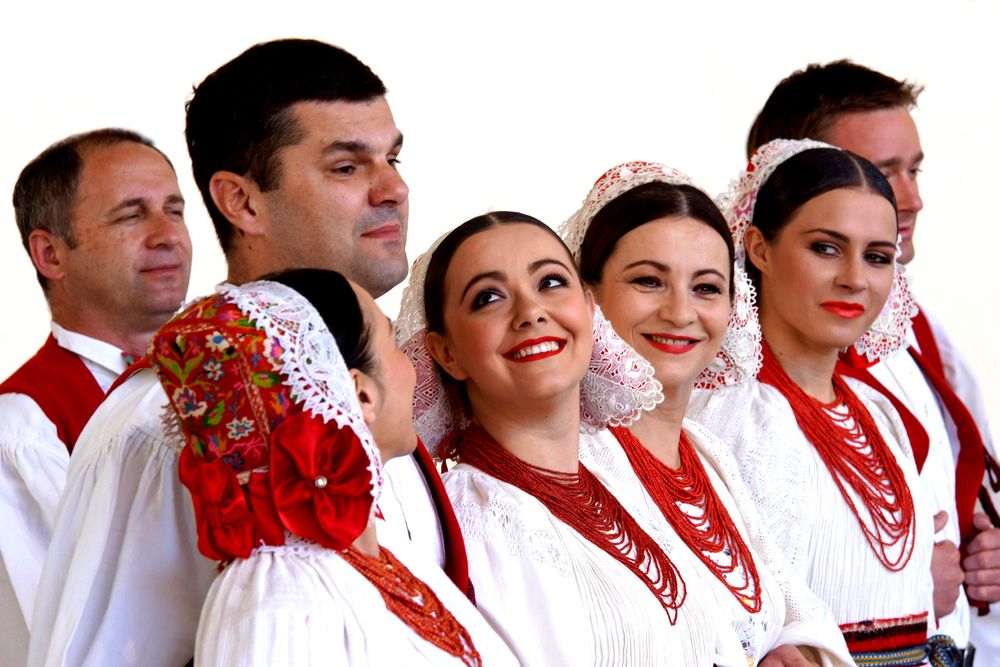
x: 225, y: 524
x: 269, y: 528
x: 320, y: 480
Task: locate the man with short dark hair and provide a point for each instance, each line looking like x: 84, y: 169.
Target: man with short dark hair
x: 102, y: 219
x: 867, y: 112
x: 295, y: 151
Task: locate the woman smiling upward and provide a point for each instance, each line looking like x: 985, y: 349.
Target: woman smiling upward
x: 658, y: 255
x: 827, y: 459
x: 561, y: 569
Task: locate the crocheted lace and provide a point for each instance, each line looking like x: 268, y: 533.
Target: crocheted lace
x: 311, y: 362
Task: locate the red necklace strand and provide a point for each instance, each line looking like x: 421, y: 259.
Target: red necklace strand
x: 414, y: 603
x: 711, y: 534
x: 858, y: 458
x: 580, y: 501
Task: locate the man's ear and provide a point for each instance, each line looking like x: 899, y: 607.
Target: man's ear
x: 48, y: 253
x: 238, y: 199
x: 757, y: 248
x: 369, y: 395
x: 440, y: 350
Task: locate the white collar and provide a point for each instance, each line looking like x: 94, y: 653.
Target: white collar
x: 96, y: 351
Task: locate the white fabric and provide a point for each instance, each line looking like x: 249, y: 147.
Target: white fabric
x: 124, y: 581
x: 409, y: 511
x: 984, y: 630
x: 302, y: 604
x: 790, y: 613
x: 900, y: 374
x: 103, y: 360
x: 802, y: 508
x: 557, y: 599
x: 33, y: 462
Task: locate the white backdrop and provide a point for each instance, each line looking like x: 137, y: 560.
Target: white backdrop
x: 522, y: 105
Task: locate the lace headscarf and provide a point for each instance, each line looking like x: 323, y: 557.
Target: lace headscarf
x: 740, y: 355
x: 888, y: 332
x: 272, y: 432
x: 618, y: 386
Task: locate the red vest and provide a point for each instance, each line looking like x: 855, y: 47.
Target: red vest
x: 62, y: 386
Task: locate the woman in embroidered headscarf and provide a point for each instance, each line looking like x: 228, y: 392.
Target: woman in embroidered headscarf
x: 658, y: 255
x: 827, y: 459
x: 564, y: 573
x: 286, y: 395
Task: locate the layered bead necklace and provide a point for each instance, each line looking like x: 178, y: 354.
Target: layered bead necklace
x: 851, y: 446
x: 414, y: 603
x: 711, y: 534
x: 580, y: 501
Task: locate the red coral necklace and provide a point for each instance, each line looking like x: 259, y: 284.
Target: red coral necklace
x: 580, y: 501
x: 711, y: 533
x: 415, y: 603
x: 853, y: 450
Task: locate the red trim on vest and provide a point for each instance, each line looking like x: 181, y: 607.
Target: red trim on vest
x: 456, y: 564
x: 919, y: 440
x: 929, y: 349
x: 62, y: 386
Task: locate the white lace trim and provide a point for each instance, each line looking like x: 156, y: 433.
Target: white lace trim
x: 311, y: 362
x: 888, y: 333
x: 173, y: 432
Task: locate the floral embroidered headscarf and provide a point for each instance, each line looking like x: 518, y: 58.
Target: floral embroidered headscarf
x: 274, y: 439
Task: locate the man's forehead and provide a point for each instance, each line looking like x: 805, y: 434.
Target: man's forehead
x: 364, y: 122
x: 879, y: 135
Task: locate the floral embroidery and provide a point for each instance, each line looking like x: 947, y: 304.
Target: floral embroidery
x: 213, y: 370
x: 216, y: 341
x: 187, y: 403
x: 240, y: 428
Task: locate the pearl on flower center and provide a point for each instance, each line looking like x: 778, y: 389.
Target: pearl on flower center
x: 320, y: 482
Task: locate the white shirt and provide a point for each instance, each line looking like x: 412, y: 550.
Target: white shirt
x: 790, y: 613
x: 802, y: 508
x: 33, y: 461
x: 303, y: 605
x: 558, y: 599
x: 124, y: 582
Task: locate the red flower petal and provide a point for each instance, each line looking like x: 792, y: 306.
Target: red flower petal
x: 225, y: 524
x: 320, y: 480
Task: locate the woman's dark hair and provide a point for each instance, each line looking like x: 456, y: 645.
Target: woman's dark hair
x: 332, y: 296
x: 636, y: 207
x: 805, y: 176
x: 441, y: 259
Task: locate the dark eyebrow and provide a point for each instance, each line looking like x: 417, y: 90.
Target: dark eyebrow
x: 705, y: 272
x: 893, y: 162
x: 535, y: 266
x: 175, y: 199
x: 357, y: 146
x: 659, y: 266
x: 842, y: 237
x: 495, y: 275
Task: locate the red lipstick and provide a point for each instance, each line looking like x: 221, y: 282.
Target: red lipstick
x: 844, y: 309
x: 548, y: 346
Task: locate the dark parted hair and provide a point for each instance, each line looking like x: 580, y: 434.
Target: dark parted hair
x: 806, y: 103
x: 804, y: 177
x: 332, y: 296
x: 441, y: 258
x: 45, y: 191
x: 636, y: 207
x: 240, y: 115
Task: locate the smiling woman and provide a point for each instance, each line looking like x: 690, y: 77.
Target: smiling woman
x: 826, y: 458
x: 561, y: 569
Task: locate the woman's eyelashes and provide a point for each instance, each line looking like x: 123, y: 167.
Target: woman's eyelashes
x: 490, y: 295
x: 553, y: 280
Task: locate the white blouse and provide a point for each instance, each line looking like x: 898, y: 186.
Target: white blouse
x: 790, y: 613
x: 303, y: 605
x: 801, y: 506
x: 558, y: 599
